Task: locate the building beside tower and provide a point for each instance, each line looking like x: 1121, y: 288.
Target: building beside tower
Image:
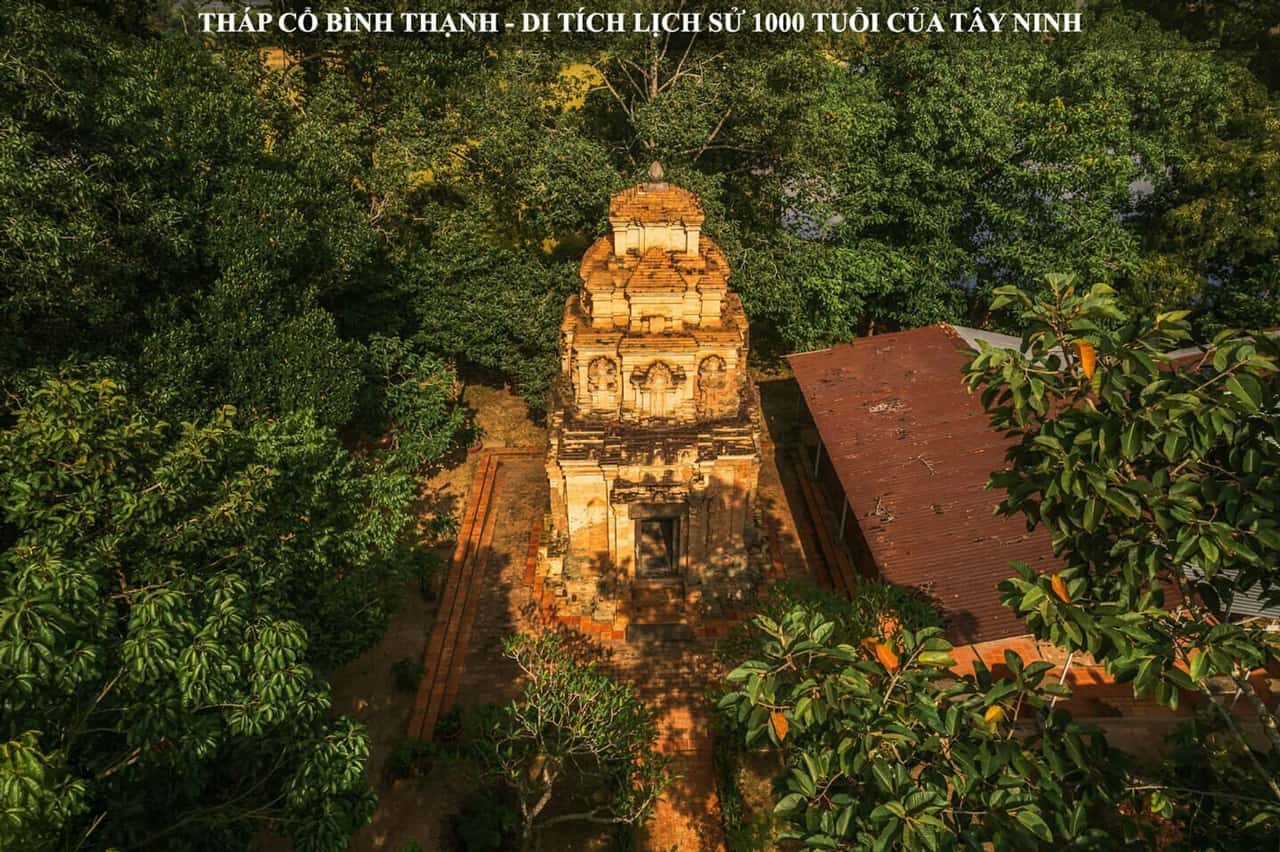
x: 654, y: 457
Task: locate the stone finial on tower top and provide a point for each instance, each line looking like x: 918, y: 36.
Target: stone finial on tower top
x: 655, y: 214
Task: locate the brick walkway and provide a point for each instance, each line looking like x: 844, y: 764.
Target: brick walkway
x: 489, y: 596
x: 518, y: 502
x: 487, y: 539
x: 674, y: 678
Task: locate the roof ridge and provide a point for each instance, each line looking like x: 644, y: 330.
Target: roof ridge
x: 945, y: 328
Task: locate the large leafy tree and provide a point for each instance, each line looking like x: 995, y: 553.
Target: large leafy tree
x: 170, y: 595
x: 164, y: 208
x: 244, y: 229
x: 1158, y: 477
x: 885, y: 748
x: 1214, y: 236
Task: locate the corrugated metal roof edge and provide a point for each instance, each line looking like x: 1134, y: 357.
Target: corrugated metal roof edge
x: 862, y: 341
x: 971, y: 336
x: 1244, y: 603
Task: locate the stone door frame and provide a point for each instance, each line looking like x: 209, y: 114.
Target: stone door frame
x: 676, y: 512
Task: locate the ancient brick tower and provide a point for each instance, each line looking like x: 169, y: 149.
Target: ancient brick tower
x: 654, y: 456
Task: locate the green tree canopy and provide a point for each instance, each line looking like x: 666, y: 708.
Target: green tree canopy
x: 243, y: 230
x: 170, y: 595
x: 1158, y: 478
x: 884, y: 748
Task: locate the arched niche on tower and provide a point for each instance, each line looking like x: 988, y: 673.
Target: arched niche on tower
x: 602, y: 384
x: 657, y: 389
x: 716, y: 392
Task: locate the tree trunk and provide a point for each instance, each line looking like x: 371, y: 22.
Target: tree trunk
x: 1265, y: 716
x: 527, y: 832
x: 1243, y: 741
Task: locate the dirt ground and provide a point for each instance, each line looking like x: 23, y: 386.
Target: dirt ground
x: 363, y: 689
x: 503, y: 418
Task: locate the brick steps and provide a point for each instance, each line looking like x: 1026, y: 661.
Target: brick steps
x: 659, y: 631
x: 659, y: 615
x: 658, y: 604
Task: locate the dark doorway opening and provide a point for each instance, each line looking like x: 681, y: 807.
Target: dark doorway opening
x: 657, y: 553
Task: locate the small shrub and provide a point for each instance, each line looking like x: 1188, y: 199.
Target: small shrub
x: 411, y: 758
x: 574, y: 728
x: 449, y: 727
x: 487, y: 821
x: 412, y: 846
x: 479, y: 722
x: 443, y: 527
x: 626, y: 838
x: 406, y: 673
x: 430, y: 570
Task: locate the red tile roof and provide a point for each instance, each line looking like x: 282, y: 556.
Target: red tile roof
x: 913, y: 450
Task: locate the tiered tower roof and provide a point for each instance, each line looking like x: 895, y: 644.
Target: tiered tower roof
x: 655, y: 271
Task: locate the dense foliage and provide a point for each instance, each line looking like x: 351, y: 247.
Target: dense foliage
x: 885, y: 748
x: 178, y: 576
x: 235, y: 230
x: 319, y: 229
x: 415, y: 403
x: 577, y: 734
x: 169, y: 596
x: 1158, y: 477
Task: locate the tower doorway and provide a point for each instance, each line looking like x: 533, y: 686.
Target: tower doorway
x: 657, y: 548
